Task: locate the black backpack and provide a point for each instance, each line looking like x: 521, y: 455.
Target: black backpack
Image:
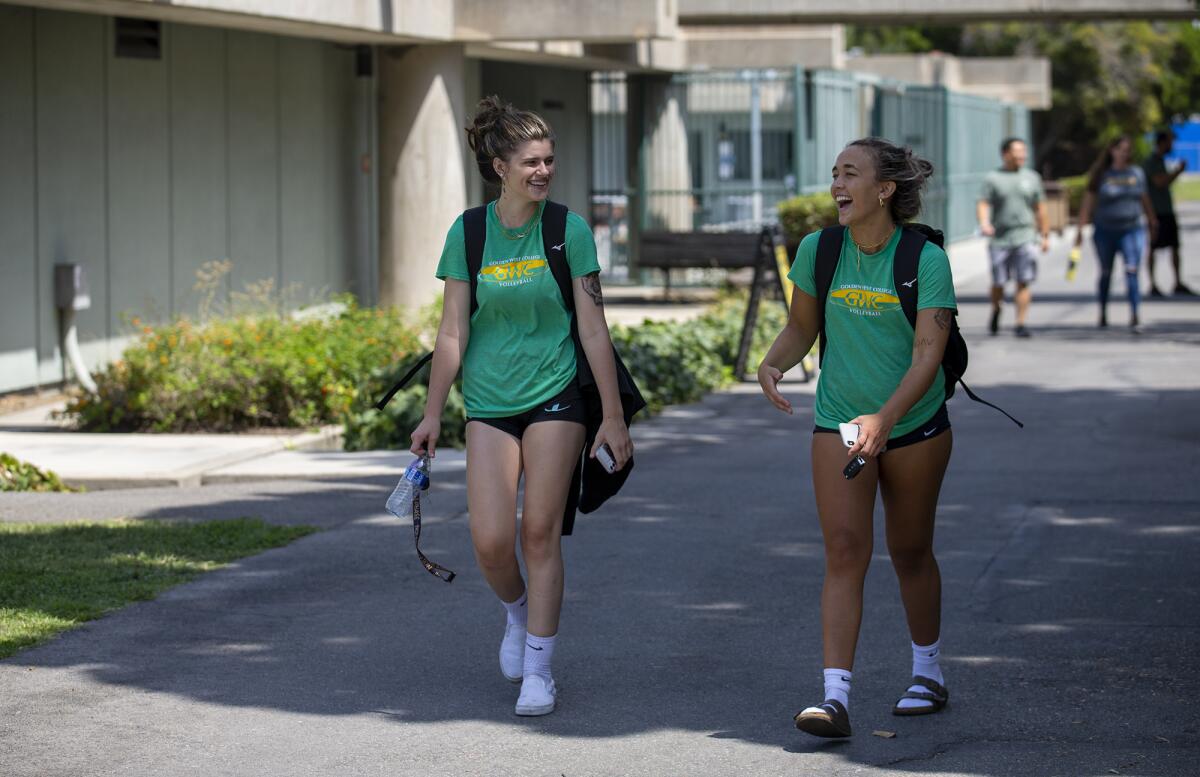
x: 904, y: 276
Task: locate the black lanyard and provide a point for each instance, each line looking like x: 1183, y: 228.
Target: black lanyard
x: 432, y: 568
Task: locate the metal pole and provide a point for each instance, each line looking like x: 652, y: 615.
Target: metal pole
x: 756, y: 200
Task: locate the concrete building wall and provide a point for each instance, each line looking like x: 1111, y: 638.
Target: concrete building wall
x: 231, y: 145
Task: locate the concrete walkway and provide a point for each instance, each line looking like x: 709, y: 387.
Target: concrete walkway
x: 691, y: 628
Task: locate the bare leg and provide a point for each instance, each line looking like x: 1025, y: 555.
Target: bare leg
x: 997, y: 302
x: 1023, y: 297
x: 910, y: 479
x: 493, y: 469
x: 845, y: 510
x: 550, y: 450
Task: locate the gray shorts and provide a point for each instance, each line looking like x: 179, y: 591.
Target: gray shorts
x: 1015, y: 263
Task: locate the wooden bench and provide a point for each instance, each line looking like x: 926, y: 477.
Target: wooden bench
x: 762, y: 250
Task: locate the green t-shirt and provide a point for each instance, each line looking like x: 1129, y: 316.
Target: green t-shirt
x: 1013, y: 196
x: 1160, y: 196
x: 520, y: 351
x: 870, y: 342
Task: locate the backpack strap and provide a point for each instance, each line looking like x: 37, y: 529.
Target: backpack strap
x: 829, y: 253
x: 904, y: 271
x: 554, y: 243
x: 475, y: 232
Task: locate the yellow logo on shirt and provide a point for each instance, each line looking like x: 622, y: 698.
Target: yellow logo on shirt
x: 865, y: 299
x: 513, y: 272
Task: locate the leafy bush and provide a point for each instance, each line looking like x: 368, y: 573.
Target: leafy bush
x: 1075, y: 187
x: 370, y: 429
x: 244, y: 373
x: 673, y: 362
x: 17, y: 475
x: 807, y: 213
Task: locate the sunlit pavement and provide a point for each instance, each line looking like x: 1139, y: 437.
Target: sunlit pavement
x: 691, y: 630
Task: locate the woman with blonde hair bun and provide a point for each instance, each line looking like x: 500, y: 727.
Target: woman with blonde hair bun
x: 510, y: 329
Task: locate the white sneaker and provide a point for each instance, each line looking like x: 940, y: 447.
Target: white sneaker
x: 512, y: 652
x: 537, y: 696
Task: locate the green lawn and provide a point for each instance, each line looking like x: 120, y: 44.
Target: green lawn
x: 56, y: 576
x: 1187, y: 188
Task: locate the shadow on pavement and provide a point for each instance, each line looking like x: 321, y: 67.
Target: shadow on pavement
x: 1067, y: 551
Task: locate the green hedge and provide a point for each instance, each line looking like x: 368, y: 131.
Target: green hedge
x: 244, y: 373
x: 255, y: 372
x: 673, y: 362
x: 17, y: 475
x: 1075, y: 186
x: 807, y: 213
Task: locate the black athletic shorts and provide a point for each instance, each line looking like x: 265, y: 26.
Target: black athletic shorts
x: 1168, y: 232
x: 567, y: 405
x: 939, y: 423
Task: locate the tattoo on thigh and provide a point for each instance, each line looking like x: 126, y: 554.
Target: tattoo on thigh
x: 591, y: 284
x: 942, y: 318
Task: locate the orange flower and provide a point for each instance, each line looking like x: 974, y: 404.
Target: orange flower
x: 150, y: 346
x: 228, y: 342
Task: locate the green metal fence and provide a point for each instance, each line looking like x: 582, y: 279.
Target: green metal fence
x: 719, y: 150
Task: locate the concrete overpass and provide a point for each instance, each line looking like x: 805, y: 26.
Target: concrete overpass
x: 731, y: 12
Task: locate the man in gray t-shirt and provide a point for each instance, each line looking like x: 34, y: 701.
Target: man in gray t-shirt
x: 1012, y: 212
x: 1159, y: 179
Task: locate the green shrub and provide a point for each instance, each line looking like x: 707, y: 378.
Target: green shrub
x: 370, y: 429
x: 244, y: 373
x: 807, y: 213
x: 1075, y: 186
x: 17, y: 475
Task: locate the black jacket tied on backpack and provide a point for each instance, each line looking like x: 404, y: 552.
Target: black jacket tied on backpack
x: 908, y: 257
x: 591, y: 485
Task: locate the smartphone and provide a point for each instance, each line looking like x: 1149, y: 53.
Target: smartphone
x: 605, y: 457
x: 849, y: 434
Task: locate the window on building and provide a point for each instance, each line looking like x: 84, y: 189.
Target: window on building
x: 137, y: 39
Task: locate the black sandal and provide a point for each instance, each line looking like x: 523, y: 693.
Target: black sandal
x: 827, y: 719
x: 936, y: 695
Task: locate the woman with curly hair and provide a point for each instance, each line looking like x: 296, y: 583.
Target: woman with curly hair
x: 884, y: 375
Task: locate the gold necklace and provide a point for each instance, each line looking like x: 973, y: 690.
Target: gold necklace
x: 875, y: 246
x: 515, y: 235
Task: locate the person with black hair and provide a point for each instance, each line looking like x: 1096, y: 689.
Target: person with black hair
x: 1160, y: 179
x: 525, y: 412
x: 1011, y: 204
x: 1114, y: 202
x: 883, y: 374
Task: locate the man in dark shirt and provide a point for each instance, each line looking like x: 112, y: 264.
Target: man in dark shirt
x: 1159, y: 179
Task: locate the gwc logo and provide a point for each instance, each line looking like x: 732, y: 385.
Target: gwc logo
x: 513, y: 271
x: 863, y: 299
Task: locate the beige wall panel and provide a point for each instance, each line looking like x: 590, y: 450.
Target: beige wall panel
x: 305, y: 174
x: 71, y: 170
x: 253, y: 158
x: 199, y: 127
x: 18, y: 224
x: 139, y: 218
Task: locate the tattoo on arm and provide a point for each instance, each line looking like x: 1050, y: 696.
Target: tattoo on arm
x: 942, y: 318
x: 925, y: 342
x: 591, y: 285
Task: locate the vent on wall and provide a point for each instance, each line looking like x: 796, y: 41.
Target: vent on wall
x: 138, y: 39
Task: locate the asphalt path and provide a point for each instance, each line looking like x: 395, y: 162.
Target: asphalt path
x: 690, y: 633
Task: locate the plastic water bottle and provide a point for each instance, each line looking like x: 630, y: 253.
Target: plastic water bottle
x: 1072, y: 263
x: 414, y: 481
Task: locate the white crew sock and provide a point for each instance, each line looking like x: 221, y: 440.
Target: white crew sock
x: 925, y: 663
x: 538, y: 652
x: 517, y: 611
x: 837, y: 685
